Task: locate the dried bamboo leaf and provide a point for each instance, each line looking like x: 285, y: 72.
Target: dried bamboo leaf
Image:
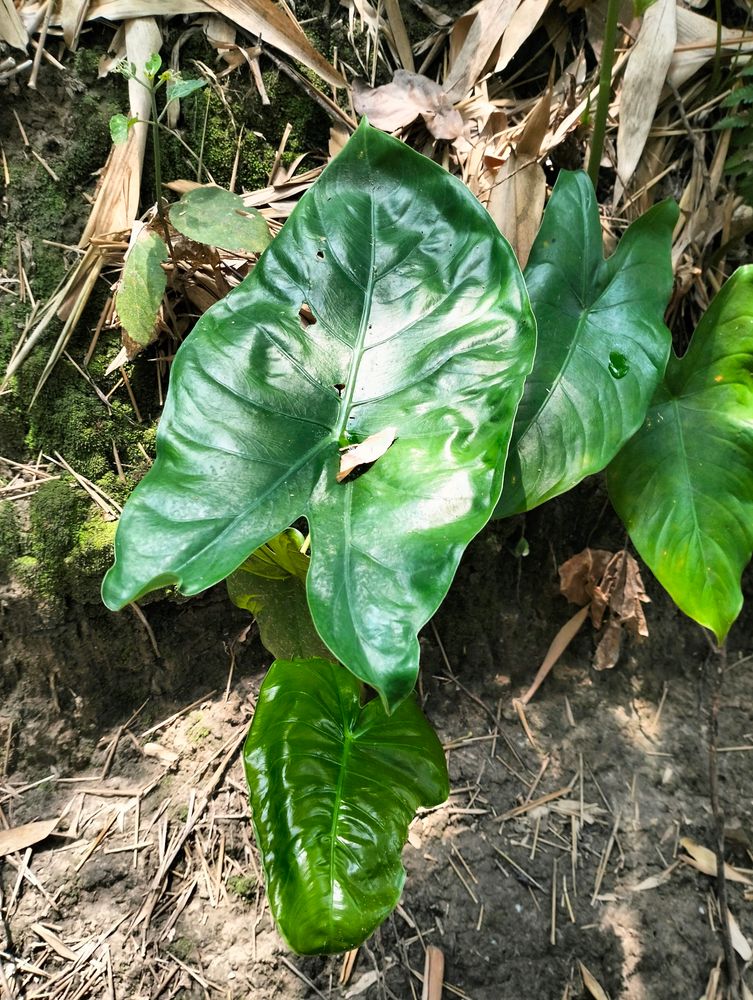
x: 18, y: 838
x: 263, y: 18
x: 591, y: 984
x: 399, y: 33
x: 12, y: 29
x: 521, y: 27
x: 517, y: 203
x: 645, y: 74
x: 696, y: 44
x: 491, y: 18
x: 72, y: 17
x: 117, y: 200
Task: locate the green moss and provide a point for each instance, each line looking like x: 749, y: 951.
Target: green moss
x: 10, y: 535
x: 198, y: 730
x: 243, y: 886
x: 25, y: 569
x: 57, y: 510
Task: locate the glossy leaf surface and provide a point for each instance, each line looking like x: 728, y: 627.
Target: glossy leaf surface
x: 142, y: 286
x: 683, y: 485
x: 334, y: 786
x: 423, y: 325
x: 220, y: 218
x: 271, y: 584
x: 602, y: 344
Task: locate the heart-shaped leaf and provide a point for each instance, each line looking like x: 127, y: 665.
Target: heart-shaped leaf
x: 683, y: 485
x: 602, y: 344
x: 177, y: 90
x: 219, y: 218
x: 142, y: 286
x: 334, y: 786
x: 271, y: 584
x: 422, y: 325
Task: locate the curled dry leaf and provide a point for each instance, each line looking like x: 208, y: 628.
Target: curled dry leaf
x: 365, y: 453
x: 18, y: 838
x: 704, y: 860
x: 397, y: 104
x: 612, y: 586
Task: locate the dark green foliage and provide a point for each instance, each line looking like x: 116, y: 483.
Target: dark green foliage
x: 56, y: 511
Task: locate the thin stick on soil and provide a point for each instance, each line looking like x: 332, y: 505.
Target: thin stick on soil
x: 733, y: 972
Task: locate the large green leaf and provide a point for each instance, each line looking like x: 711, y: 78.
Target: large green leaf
x: 422, y: 325
x: 334, y: 786
x: 683, y: 485
x: 602, y: 343
x: 271, y: 584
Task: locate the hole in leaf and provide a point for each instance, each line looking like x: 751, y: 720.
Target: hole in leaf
x: 320, y: 255
x: 339, y: 388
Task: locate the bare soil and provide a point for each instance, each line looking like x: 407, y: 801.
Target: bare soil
x: 538, y: 861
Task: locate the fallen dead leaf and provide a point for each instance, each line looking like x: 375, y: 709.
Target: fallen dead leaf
x: 592, y: 985
x: 397, y: 104
x: 365, y: 453
x: 739, y: 942
x: 653, y: 881
x: 704, y: 860
x: 18, y: 838
x: 580, y: 574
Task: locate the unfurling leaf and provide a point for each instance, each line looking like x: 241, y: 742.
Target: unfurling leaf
x: 422, y: 323
x: 334, y: 785
x: 219, y: 218
x: 602, y: 343
x: 142, y: 286
x: 683, y: 485
x: 271, y: 584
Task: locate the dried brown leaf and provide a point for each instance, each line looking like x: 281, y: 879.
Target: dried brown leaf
x: 12, y: 29
x: 704, y: 860
x: 696, y: 44
x: 739, y: 942
x: 645, y: 74
x: 480, y: 30
x: 522, y: 25
x: 608, y: 648
x: 559, y: 644
x: 397, y: 104
x: 366, y: 452
x: 18, y: 838
x: 72, y: 17
x: 621, y: 590
x: 517, y: 203
x: 591, y: 984
x: 580, y: 574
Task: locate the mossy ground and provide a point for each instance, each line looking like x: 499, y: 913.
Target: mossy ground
x: 69, y: 545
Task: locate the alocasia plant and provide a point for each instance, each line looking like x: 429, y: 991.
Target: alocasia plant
x: 423, y: 328
x: 423, y: 338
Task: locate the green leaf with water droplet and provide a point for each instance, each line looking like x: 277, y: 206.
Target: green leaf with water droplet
x: 221, y: 219
x: 602, y: 344
x: 683, y: 485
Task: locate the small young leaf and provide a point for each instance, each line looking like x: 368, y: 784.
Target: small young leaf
x: 683, y: 485
x: 152, y: 65
x: 334, y: 785
x: 142, y: 286
x: 218, y: 217
x: 271, y: 584
x: 120, y: 126
x: 602, y: 344
x: 178, y: 89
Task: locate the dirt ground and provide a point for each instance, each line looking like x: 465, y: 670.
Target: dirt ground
x: 543, y: 858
